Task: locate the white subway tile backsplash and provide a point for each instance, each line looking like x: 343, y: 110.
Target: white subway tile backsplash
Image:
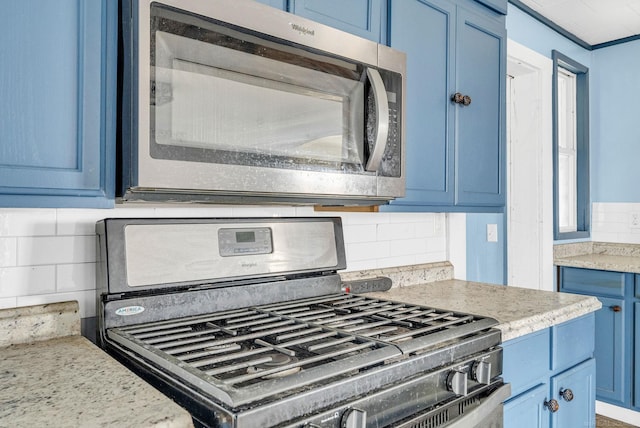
x: 193, y: 211
x: 353, y: 265
x: 260, y: 211
x: 364, y: 218
x: 408, y: 217
x: 27, y: 280
x: 48, y: 255
x: 426, y: 228
x: 614, y: 222
x: 367, y: 250
x: 402, y: 247
x: 8, y: 302
x: 27, y: 222
x: 8, y: 254
x: 397, y: 261
x: 56, y: 250
x: 359, y: 233
x: 79, y: 222
x: 395, y: 231
x: 76, y: 277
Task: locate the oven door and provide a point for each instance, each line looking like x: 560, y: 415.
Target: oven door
x: 231, y: 109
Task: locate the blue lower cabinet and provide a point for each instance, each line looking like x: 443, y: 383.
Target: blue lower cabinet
x: 527, y: 409
x: 552, y: 378
x: 574, y: 391
x: 615, y: 330
x: 611, y: 384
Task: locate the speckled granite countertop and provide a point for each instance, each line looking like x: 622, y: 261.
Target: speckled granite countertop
x: 55, y: 377
x: 518, y: 310
x: 599, y: 255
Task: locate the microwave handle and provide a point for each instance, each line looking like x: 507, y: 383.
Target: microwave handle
x: 382, y: 119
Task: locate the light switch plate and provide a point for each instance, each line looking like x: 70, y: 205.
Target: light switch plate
x: 492, y: 232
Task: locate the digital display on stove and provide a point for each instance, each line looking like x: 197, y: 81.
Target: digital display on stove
x: 246, y: 236
x: 245, y: 241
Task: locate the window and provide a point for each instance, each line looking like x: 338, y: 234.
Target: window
x: 570, y: 148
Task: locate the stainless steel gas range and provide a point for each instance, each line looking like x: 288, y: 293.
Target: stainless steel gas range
x: 245, y: 323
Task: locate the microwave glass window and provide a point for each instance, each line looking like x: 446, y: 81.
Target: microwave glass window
x: 230, y: 97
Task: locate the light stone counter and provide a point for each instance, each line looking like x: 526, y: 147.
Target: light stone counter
x: 52, y: 376
x: 519, y: 311
x: 599, y: 255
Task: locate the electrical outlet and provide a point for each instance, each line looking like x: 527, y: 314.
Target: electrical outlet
x: 492, y: 232
x: 634, y: 223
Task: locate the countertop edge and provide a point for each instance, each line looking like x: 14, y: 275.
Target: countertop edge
x: 30, y: 324
x: 515, y: 329
x: 495, y: 301
x: 580, y: 262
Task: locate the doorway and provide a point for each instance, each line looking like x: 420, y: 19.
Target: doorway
x: 529, y: 169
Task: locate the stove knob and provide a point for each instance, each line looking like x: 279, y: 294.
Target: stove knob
x: 481, y: 372
x: 354, y: 418
x: 457, y: 382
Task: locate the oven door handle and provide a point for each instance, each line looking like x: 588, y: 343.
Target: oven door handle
x: 481, y: 412
x: 382, y: 120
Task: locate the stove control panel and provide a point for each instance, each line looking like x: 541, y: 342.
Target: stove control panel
x: 244, y: 241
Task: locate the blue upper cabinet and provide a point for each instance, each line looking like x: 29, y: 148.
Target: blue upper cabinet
x: 480, y: 126
x: 425, y: 31
x: 455, y: 157
x: 57, y: 116
x: 364, y: 18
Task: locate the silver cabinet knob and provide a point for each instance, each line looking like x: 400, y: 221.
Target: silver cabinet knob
x: 457, y: 382
x: 552, y: 405
x: 566, y: 394
x: 354, y: 418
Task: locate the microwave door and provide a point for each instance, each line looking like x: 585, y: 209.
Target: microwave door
x: 234, y: 106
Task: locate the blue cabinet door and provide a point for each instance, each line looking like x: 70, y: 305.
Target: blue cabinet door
x: 527, y: 410
x: 480, y: 126
x: 364, y: 18
x: 610, y: 352
x: 425, y: 31
x: 578, y: 408
x: 57, y: 115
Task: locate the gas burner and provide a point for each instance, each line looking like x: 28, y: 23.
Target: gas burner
x: 277, y: 360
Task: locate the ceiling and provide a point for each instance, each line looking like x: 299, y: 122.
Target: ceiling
x: 593, y: 21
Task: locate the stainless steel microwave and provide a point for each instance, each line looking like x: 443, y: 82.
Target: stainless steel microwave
x: 233, y: 101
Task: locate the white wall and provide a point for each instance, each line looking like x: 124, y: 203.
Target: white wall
x: 48, y: 255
